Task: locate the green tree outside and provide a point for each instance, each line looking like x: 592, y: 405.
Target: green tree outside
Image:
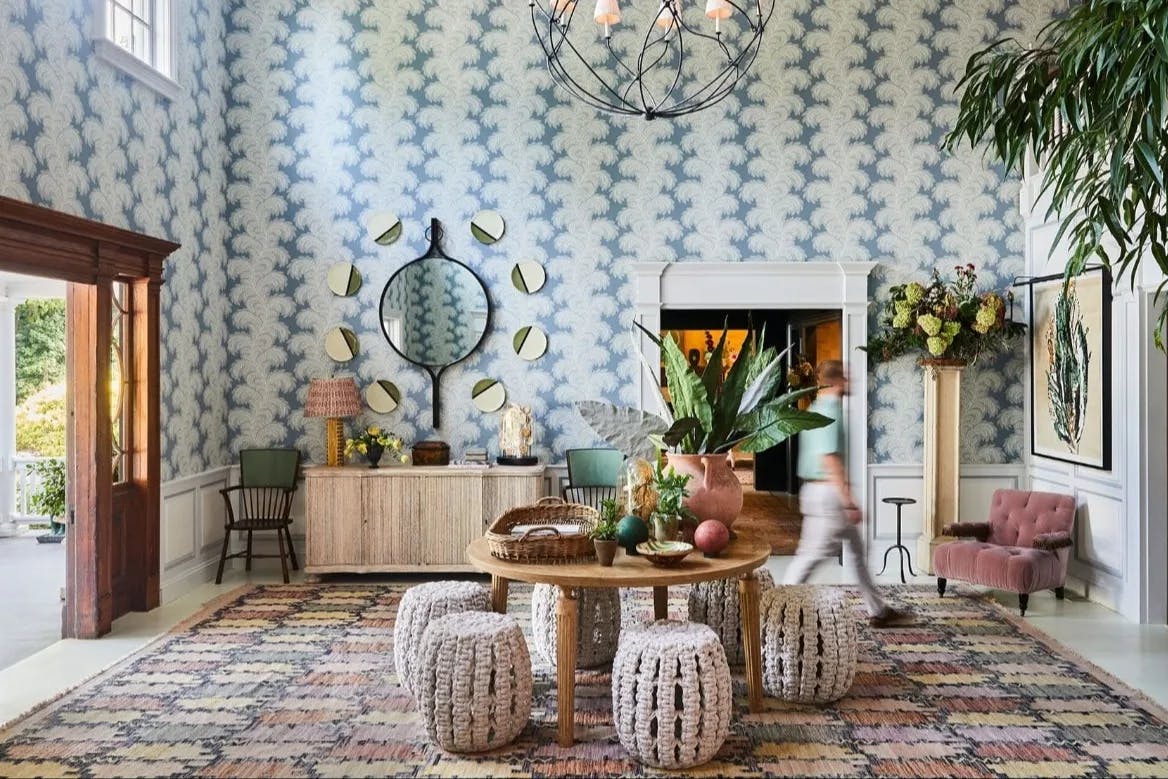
x: 40, y: 345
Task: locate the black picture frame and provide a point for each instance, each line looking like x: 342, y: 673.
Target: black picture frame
x: 1095, y: 420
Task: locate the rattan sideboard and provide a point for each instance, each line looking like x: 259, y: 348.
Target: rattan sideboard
x: 406, y: 519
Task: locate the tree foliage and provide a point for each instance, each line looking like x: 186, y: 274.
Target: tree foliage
x: 40, y: 345
x: 40, y: 423
x: 1090, y: 101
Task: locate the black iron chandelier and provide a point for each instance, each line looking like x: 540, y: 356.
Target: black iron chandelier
x: 666, y: 59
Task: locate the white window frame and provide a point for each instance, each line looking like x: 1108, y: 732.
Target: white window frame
x: 155, y: 75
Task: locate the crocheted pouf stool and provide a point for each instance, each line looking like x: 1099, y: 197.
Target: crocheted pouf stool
x: 420, y: 606
x: 671, y: 695
x: 599, y: 624
x: 473, y: 681
x: 808, y: 643
x: 716, y: 604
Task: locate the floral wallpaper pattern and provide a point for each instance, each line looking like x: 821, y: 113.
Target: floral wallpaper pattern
x: 78, y: 136
x: 300, y: 118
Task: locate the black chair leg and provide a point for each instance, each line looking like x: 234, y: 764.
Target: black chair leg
x: 1023, y: 602
x: 1060, y: 592
x: 291, y: 549
x: 283, y: 556
x: 223, y: 556
x: 941, y: 587
x: 247, y: 566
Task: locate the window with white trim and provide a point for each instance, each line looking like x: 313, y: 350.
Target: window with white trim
x: 136, y: 37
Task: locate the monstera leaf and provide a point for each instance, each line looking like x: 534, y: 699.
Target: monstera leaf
x: 630, y: 431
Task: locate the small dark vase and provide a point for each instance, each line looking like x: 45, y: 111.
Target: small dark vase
x: 605, y: 550
x: 373, y: 454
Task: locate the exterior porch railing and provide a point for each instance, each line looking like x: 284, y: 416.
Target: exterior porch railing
x: 28, y: 482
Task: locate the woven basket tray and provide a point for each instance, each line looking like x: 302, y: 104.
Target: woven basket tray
x: 543, y: 545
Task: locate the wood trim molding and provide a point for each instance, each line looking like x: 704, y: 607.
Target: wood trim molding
x: 39, y: 241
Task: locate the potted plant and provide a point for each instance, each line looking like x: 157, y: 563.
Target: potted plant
x: 708, y: 414
x: 945, y: 320
x: 373, y: 442
x: 49, y: 498
x: 671, y: 519
x: 605, y: 533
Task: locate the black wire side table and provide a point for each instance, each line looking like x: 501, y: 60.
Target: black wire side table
x: 902, y: 550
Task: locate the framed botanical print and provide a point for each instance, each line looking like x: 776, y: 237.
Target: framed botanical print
x: 1070, y: 368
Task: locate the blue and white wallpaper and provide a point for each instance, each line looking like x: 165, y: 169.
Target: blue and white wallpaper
x: 77, y: 136
x: 342, y: 108
x: 300, y: 118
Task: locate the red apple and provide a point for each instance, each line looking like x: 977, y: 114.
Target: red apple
x: 711, y: 537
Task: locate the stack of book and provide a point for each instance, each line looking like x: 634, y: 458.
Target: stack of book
x: 476, y: 456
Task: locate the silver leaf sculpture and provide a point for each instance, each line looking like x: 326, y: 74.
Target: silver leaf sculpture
x: 626, y: 429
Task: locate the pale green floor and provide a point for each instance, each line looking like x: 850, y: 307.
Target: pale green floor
x: 1137, y: 654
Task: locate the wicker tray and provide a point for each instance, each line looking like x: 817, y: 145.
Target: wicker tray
x: 543, y: 545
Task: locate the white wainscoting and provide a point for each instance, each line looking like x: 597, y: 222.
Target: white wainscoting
x: 192, y: 531
x: 978, y: 483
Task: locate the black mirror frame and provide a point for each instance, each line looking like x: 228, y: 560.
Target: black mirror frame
x: 435, y: 371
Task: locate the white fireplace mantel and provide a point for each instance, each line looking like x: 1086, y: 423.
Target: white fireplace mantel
x: 839, y: 286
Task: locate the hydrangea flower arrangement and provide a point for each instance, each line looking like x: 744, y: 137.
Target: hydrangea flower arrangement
x: 945, y: 319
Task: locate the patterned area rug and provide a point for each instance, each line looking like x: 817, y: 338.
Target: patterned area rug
x: 298, y: 681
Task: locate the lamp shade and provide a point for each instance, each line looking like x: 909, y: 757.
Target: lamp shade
x: 718, y: 9
x: 607, y: 12
x: 667, y: 18
x: 337, y: 397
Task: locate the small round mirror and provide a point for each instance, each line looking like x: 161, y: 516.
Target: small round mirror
x: 434, y: 311
x: 528, y: 276
x: 344, y: 279
x: 340, y: 343
x: 384, y: 228
x: 488, y: 395
x: 530, y: 343
x: 487, y: 226
x: 383, y: 396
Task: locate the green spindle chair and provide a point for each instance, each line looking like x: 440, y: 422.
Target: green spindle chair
x: 593, y: 475
x: 267, y: 484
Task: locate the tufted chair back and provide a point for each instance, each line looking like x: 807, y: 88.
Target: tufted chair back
x: 1017, y: 516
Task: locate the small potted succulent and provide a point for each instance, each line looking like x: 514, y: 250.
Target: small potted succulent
x: 604, y: 535
x: 373, y: 442
x: 671, y: 520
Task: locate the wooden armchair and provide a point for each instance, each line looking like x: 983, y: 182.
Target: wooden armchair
x: 267, y: 484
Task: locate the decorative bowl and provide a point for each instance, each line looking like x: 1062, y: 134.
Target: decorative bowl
x: 664, y: 553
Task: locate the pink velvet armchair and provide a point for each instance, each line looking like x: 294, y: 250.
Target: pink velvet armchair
x: 1024, y: 547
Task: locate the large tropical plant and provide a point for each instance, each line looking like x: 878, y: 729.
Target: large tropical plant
x: 1090, y: 101
x: 708, y: 412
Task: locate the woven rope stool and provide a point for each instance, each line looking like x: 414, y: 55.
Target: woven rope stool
x: 808, y: 643
x: 716, y: 604
x: 420, y: 606
x: 671, y: 696
x: 599, y: 621
x: 474, y: 681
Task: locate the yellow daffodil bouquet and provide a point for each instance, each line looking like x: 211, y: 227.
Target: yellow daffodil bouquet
x: 373, y: 442
x: 944, y: 320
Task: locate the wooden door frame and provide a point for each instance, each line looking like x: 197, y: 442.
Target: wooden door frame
x: 91, y: 256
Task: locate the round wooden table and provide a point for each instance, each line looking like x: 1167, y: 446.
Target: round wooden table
x: 740, y: 559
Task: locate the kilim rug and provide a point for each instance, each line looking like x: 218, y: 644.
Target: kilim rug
x: 298, y: 681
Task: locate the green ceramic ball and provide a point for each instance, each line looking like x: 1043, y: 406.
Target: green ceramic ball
x: 630, y: 531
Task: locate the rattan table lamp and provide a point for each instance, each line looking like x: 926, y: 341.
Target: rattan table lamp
x: 335, y: 399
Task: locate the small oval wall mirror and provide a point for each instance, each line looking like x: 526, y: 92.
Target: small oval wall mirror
x: 344, y: 279
x: 383, y: 396
x: 435, y: 311
x: 530, y: 343
x: 340, y: 343
x: 487, y: 226
x: 488, y: 395
x: 528, y: 276
x: 384, y: 228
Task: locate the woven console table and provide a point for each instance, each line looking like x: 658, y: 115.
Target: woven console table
x: 739, y: 560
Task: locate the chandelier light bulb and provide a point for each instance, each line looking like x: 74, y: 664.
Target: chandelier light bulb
x: 607, y: 13
x: 718, y: 9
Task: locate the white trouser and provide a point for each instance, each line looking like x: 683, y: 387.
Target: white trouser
x: 824, y: 528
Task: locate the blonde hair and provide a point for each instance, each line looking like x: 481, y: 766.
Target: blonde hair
x: 830, y: 371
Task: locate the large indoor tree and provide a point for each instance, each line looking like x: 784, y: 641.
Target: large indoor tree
x: 1089, y: 100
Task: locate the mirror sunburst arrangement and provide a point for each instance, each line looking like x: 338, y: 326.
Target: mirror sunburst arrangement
x: 667, y: 62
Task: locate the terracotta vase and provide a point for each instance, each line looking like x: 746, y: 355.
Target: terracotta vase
x: 714, y: 490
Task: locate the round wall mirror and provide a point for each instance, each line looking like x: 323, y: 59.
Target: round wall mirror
x: 487, y: 226
x: 383, y: 396
x: 340, y: 343
x: 435, y: 311
x: 528, y: 276
x: 344, y: 279
x: 530, y: 343
x: 488, y: 395
x: 384, y: 228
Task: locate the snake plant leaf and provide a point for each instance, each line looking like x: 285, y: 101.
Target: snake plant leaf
x: 679, y: 430
x: 712, y: 375
x: 627, y: 430
x: 687, y: 391
x: 763, y: 385
x: 775, y: 423
x: 725, y: 406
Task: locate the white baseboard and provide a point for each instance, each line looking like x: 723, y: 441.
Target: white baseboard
x: 191, y: 535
